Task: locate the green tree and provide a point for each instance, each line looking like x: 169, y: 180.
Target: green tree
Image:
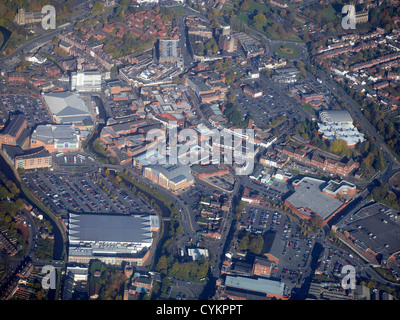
x: 97, y: 7
x: 162, y: 264
x: 244, y: 243
x: 256, y: 244
x: 260, y: 20
x: 231, y: 97
x: 339, y: 147
x: 245, y: 5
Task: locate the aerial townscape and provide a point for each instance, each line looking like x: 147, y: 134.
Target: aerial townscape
x: 213, y: 150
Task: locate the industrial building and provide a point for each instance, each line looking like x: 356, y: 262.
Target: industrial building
x: 338, y: 124
x: 317, y: 197
x: 243, y: 288
x: 68, y: 108
x: 56, y: 138
x: 111, y: 238
x: 373, y: 232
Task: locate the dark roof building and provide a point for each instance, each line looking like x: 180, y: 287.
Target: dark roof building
x: 259, y: 286
x: 27, y: 159
x: 111, y: 238
x: 16, y: 131
x: 373, y: 232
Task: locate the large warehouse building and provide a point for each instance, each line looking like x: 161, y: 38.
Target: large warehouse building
x: 373, y: 233
x: 111, y: 238
x: 317, y: 197
x: 68, y: 108
x: 338, y: 124
x: 243, y: 288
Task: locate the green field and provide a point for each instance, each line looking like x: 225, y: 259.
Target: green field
x: 307, y: 107
x: 287, y: 51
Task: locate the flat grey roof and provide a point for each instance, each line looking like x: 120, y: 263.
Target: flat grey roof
x: 169, y: 48
x: 308, y: 194
x: 48, y: 133
x: 258, y: 285
x: 66, y: 105
x: 109, y: 228
x: 374, y: 226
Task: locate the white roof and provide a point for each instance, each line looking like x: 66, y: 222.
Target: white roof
x: 335, y: 116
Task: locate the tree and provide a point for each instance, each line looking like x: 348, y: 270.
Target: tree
x: 162, y: 264
x: 339, y: 147
x: 200, y: 48
x: 379, y: 163
x: 367, y: 161
x: 244, y: 243
x: 7, y: 219
x: 231, y: 97
x: 256, y: 244
x: 260, y: 20
x: 245, y: 5
x: 316, y: 222
x: 97, y: 7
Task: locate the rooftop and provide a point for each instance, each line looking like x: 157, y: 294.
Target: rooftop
x: 308, y: 195
x: 261, y: 285
x: 335, y: 116
x: 376, y: 227
x: 16, y: 151
x: 67, y: 107
x: 173, y: 173
x: 15, y: 124
x: 113, y: 228
x: 50, y: 133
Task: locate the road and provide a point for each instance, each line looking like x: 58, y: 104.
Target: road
x: 183, y: 43
x: 303, y: 52
x: 13, y: 58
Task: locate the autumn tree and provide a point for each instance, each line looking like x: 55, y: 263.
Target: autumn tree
x: 339, y: 147
x: 245, y: 5
x: 260, y: 20
x: 97, y: 7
